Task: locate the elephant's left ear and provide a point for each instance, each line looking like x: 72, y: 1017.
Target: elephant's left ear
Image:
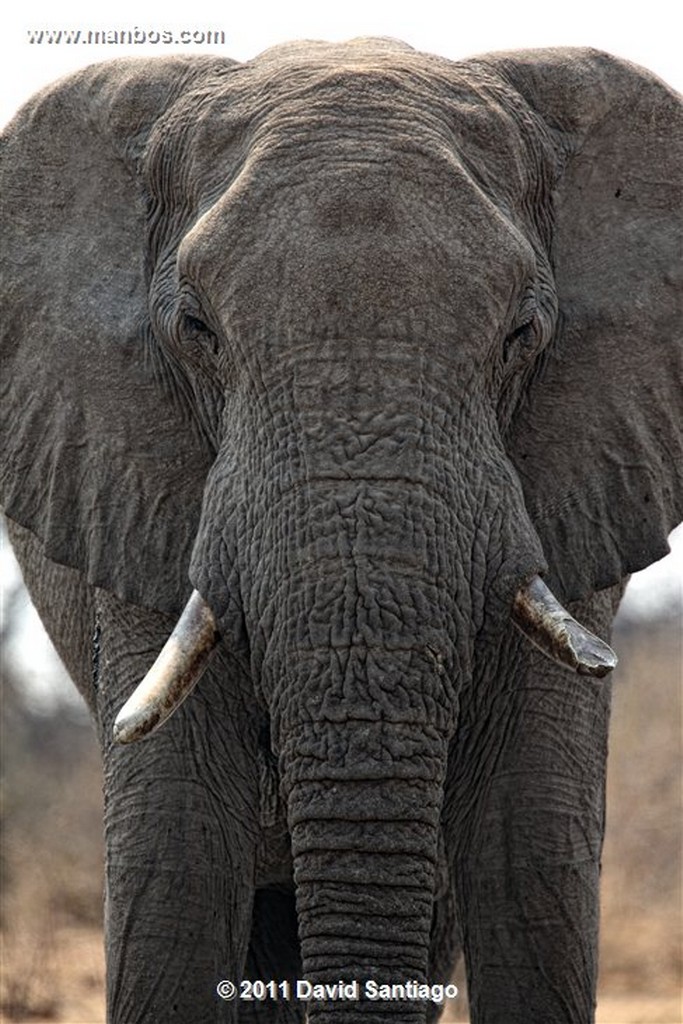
x: 598, y: 437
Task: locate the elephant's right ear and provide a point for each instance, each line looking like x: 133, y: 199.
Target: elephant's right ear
x: 100, y: 459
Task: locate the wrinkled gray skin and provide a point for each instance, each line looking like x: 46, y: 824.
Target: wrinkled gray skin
x: 355, y: 341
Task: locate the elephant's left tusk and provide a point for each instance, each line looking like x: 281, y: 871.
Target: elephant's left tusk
x: 173, y: 675
x: 540, y: 616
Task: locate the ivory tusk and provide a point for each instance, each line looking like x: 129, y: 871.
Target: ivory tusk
x: 173, y: 675
x: 540, y: 616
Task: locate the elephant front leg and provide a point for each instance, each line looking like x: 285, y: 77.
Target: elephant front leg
x: 181, y: 830
x: 532, y: 771
x: 177, y: 911
x: 531, y: 941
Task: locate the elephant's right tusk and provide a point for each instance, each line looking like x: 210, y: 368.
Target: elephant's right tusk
x: 173, y: 675
x: 540, y: 616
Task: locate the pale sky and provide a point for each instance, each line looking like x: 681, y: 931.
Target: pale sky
x: 646, y: 33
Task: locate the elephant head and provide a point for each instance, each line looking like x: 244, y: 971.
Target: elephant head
x: 356, y: 344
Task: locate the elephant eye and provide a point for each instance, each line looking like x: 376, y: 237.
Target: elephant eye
x: 521, y: 343
x: 196, y: 333
x: 193, y: 325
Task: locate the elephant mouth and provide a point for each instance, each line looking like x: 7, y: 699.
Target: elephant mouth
x: 535, y: 611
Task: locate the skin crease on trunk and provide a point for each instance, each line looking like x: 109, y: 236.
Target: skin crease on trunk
x: 360, y: 336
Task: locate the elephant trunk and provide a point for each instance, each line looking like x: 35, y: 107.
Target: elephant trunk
x: 361, y: 668
x: 363, y: 808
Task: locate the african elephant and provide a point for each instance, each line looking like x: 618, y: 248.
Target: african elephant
x: 356, y: 362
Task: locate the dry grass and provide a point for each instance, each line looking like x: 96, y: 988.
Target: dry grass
x: 51, y: 861
x: 642, y: 910
x: 51, y: 906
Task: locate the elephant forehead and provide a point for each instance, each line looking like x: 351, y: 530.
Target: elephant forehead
x: 303, y: 50
x: 292, y: 112
x: 355, y: 244
x: 345, y: 191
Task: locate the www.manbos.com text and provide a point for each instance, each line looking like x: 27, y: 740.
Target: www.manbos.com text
x: 125, y: 37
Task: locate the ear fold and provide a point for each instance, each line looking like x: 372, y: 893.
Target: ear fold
x: 100, y: 459
x: 598, y: 436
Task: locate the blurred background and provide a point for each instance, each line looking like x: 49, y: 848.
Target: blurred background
x: 50, y: 782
